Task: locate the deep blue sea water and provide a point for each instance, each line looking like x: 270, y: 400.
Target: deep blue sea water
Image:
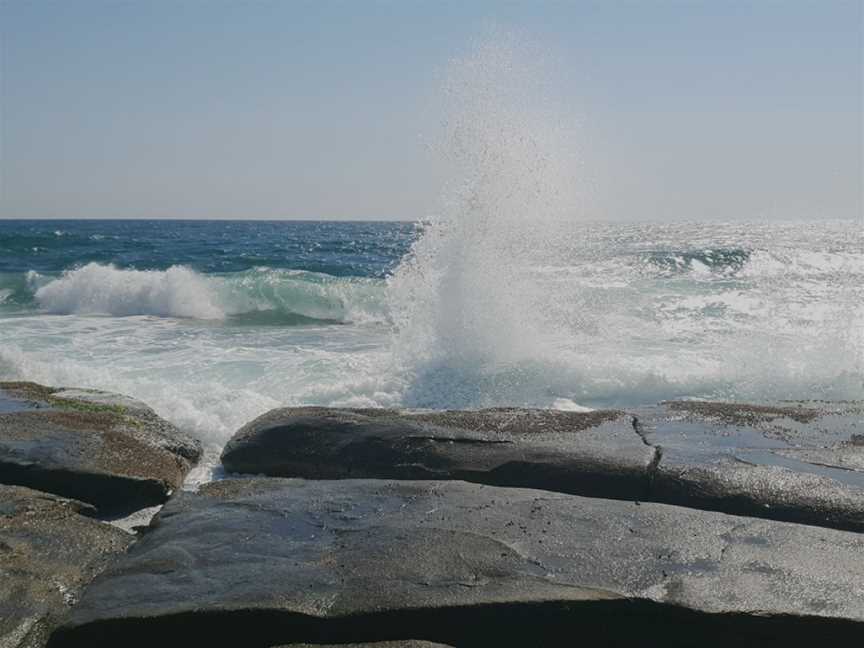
x: 213, y: 323
x: 364, y: 249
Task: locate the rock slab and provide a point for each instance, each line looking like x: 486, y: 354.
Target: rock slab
x: 588, y: 453
x: 263, y: 562
x: 48, y: 552
x: 105, y: 449
x: 792, y: 462
x: 796, y: 462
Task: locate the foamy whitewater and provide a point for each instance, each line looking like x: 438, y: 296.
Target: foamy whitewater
x: 508, y: 295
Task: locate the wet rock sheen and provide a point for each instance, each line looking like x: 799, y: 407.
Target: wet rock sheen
x: 263, y: 562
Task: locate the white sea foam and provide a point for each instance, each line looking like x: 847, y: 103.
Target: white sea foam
x: 466, y: 302
x: 102, y: 289
x: 803, y: 263
x: 207, y: 379
x: 483, y: 317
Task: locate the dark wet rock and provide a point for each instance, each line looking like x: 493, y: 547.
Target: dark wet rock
x: 48, y: 552
x: 407, y: 643
x: 261, y: 562
x: 105, y: 449
x: 795, y: 462
x: 594, y: 453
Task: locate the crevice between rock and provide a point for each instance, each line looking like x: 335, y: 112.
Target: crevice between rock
x: 654, y: 464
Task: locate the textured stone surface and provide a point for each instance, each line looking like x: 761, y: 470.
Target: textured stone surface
x: 791, y: 462
x: 261, y: 562
x: 796, y: 462
x: 595, y: 453
x: 105, y: 449
x: 706, y: 425
x: 48, y: 552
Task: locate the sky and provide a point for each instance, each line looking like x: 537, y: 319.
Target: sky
x: 324, y: 110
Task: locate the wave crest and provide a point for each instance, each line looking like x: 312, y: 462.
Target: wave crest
x: 105, y: 289
x: 719, y: 261
x: 258, y: 296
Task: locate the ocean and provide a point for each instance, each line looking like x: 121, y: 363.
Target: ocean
x: 215, y: 322
x: 506, y: 293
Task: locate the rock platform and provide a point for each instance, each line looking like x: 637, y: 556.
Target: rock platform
x: 687, y: 523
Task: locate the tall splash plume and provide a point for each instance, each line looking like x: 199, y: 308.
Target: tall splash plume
x: 468, y: 314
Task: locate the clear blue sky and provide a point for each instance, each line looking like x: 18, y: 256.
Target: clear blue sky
x: 217, y: 109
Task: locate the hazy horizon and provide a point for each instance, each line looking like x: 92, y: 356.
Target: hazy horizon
x: 301, y: 111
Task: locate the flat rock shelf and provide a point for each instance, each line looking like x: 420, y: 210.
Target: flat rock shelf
x: 262, y: 562
x: 687, y: 523
x: 797, y: 462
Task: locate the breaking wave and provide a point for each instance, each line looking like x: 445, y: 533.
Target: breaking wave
x: 257, y: 296
x: 509, y: 297
x: 751, y: 264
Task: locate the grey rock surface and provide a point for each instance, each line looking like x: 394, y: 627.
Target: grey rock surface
x: 105, y: 449
x: 798, y: 462
x: 267, y: 561
x: 595, y: 453
x: 795, y: 462
x: 48, y: 552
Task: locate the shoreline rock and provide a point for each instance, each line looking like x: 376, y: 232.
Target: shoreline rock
x: 105, y: 449
x: 48, y: 552
x: 271, y: 561
x: 505, y: 527
x: 795, y: 463
x: 595, y: 453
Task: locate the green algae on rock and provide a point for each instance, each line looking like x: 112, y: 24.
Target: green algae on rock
x: 106, y: 449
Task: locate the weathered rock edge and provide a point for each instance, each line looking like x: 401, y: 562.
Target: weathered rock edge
x: 260, y: 562
x: 48, y: 553
x: 598, y: 454
x: 105, y: 449
x: 587, y: 453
